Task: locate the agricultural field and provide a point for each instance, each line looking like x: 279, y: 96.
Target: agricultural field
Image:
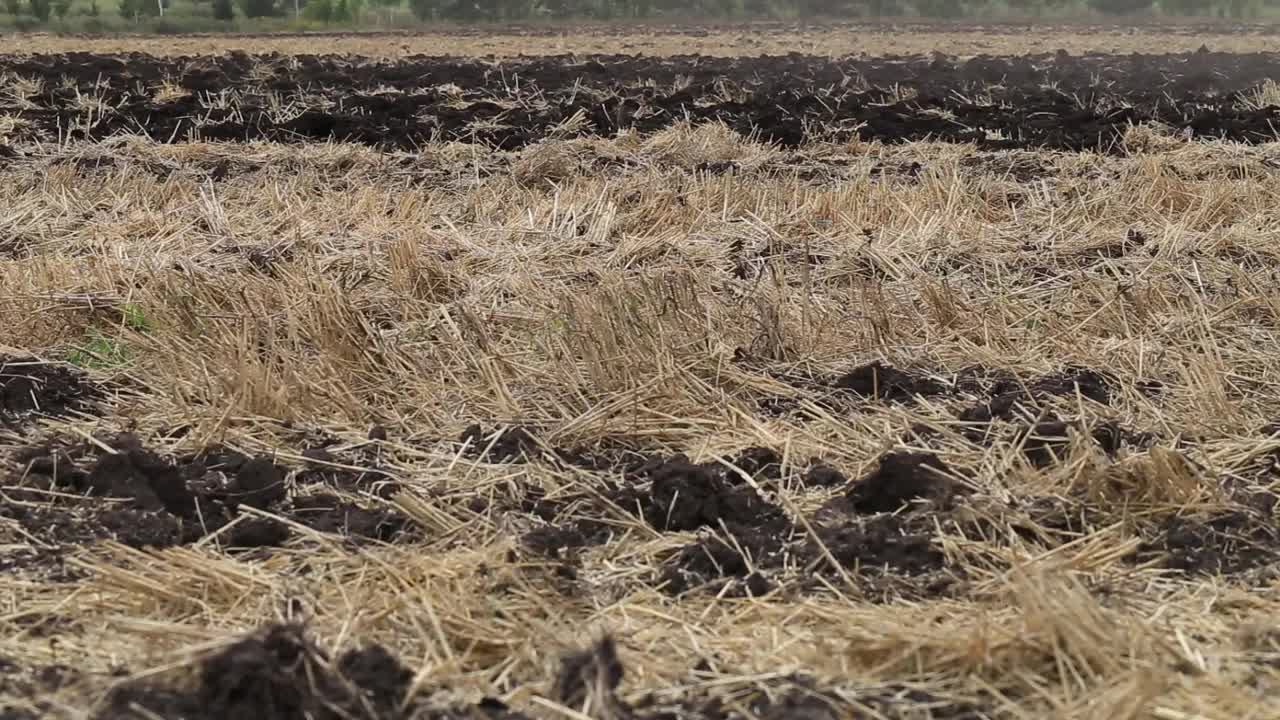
x: 374, y: 377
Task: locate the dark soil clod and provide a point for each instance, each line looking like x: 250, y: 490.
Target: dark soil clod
x: 711, y: 563
x: 382, y: 680
x: 259, y: 484
x: 318, y: 456
x: 685, y: 496
x: 331, y: 514
x: 1092, y: 384
x: 258, y: 533
x: 681, y: 496
x: 57, y: 465
x: 902, y: 544
x: 557, y: 542
x: 145, y: 478
x: 884, y: 548
x: 1045, y: 443
x: 172, y: 501
x: 362, y: 471
x: 1229, y: 544
x: 884, y: 382
x: 758, y: 462
x: 278, y: 673
x: 900, y: 478
x: 1007, y: 395
x: 32, y: 387
x: 510, y: 445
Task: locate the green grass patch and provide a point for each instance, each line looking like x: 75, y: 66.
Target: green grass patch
x: 100, y: 353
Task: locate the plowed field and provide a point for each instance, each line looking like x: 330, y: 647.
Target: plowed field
x: 1056, y: 101
x: 610, y: 386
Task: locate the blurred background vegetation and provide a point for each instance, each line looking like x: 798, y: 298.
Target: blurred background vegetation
x: 267, y: 15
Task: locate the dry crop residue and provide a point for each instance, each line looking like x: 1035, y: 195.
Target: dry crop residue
x: 611, y: 386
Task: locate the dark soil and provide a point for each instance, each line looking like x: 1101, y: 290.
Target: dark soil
x: 1046, y: 100
x: 634, y: 460
x: 360, y: 470
x: 1046, y: 442
x: 685, y: 496
x: 278, y: 673
x: 899, y: 479
x: 884, y: 382
x: 859, y: 530
x: 1007, y: 395
x: 1021, y: 412
x: 561, y: 542
x: 30, y: 388
x: 882, y: 531
x: 673, y: 494
x: 331, y: 514
x: 745, y: 563
x: 903, y: 543
x: 1228, y: 544
x: 142, y: 499
x: 1000, y: 394
x: 257, y: 533
x: 669, y: 494
x: 1092, y: 384
x: 508, y: 444
x: 761, y: 463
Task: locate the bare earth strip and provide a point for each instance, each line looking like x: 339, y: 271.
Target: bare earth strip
x: 673, y: 424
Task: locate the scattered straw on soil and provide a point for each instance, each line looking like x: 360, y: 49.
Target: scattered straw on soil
x: 665, y: 425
